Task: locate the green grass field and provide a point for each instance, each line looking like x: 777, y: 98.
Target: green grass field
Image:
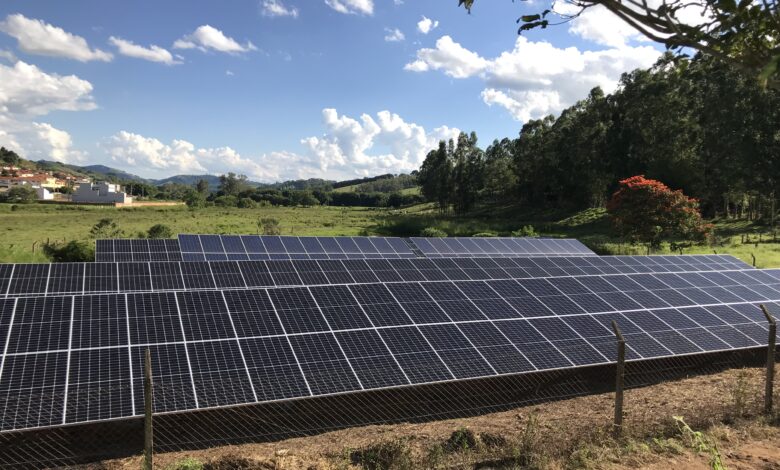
x: 35, y: 224
x: 29, y: 225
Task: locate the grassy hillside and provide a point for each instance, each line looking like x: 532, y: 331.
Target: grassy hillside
x: 37, y: 223
x: 28, y: 224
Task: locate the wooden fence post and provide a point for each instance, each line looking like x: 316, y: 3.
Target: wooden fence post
x: 148, y: 441
x: 619, y: 376
x: 770, y: 361
x: 754, y: 259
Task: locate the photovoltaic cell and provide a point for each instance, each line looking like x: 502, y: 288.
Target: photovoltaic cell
x: 223, y: 346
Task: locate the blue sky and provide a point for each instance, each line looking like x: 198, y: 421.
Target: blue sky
x: 280, y: 89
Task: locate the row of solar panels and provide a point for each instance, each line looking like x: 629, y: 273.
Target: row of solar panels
x: 255, y: 247
x: 70, y: 359
x: 77, y: 278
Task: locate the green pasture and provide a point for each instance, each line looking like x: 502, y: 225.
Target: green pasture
x: 24, y: 227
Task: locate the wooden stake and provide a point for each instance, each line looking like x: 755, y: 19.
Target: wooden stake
x: 148, y: 441
x: 770, y: 361
x: 619, y: 377
x: 754, y: 259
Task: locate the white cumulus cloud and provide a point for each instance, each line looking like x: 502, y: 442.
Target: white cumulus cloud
x: 370, y: 146
x: 352, y: 7
x: 40, y: 38
x: 27, y: 93
x: 394, y: 35
x: 534, y: 78
x: 450, y: 57
x: 426, y: 25
x: 275, y: 8
x: 152, y: 53
x: 50, y: 143
x: 26, y: 90
x: 207, y: 37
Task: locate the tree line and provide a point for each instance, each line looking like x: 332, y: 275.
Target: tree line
x: 235, y: 191
x: 695, y: 124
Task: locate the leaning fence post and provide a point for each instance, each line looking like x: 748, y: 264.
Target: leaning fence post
x: 148, y: 442
x: 754, y: 259
x: 770, y: 361
x: 619, y: 376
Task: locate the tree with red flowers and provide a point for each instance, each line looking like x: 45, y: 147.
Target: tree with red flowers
x: 647, y: 211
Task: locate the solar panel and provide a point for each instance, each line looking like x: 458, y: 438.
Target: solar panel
x: 120, y: 250
x: 77, y: 358
x: 266, y: 247
x: 255, y: 247
x: 76, y: 278
x: 499, y: 246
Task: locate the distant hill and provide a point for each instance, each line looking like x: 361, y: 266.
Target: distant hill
x: 190, y: 180
x: 103, y: 172
x: 93, y: 171
x: 118, y: 174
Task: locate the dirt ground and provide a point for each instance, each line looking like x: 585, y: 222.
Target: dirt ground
x: 574, y: 433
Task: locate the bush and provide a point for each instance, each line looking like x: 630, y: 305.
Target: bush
x: 234, y: 462
x: 226, y: 201
x: 195, y: 199
x: 460, y: 440
x: 647, y: 211
x: 160, y: 231
x: 269, y: 226
x: 484, y: 234
x: 433, y: 232
x: 186, y: 464
x: 383, y: 456
x: 247, y: 203
x: 105, y: 228
x: 21, y: 194
x: 71, y: 252
x: 525, y: 231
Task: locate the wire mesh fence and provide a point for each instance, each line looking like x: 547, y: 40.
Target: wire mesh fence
x: 89, y: 442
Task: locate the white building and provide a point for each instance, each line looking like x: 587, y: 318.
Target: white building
x: 102, y: 192
x: 43, y: 194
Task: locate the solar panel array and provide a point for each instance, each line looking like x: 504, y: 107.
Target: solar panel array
x: 26, y: 280
x: 142, y: 249
x: 75, y: 359
x: 499, y: 246
x: 265, y: 247
x: 256, y: 247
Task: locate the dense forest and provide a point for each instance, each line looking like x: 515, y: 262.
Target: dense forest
x: 695, y: 124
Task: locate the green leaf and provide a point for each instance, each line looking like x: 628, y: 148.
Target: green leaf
x: 530, y: 18
x: 769, y: 70
x: 529, y: 26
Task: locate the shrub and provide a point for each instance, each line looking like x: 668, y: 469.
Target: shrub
x: 233, y: 462
x: 21, y: 194
x: 247, y: 203
x: 105, y: 228
x: 433, y: 232
x: 160, y: 231
x: 525, y: 231
x: 460, y: 440
x: 647, y: 211
x: 188, y: 463
x: 484, y: 234
x: 226, y: 201
x: 71, y: 252
x: 269, y: 226
x: 493, y: 441
x: 383, y: 456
